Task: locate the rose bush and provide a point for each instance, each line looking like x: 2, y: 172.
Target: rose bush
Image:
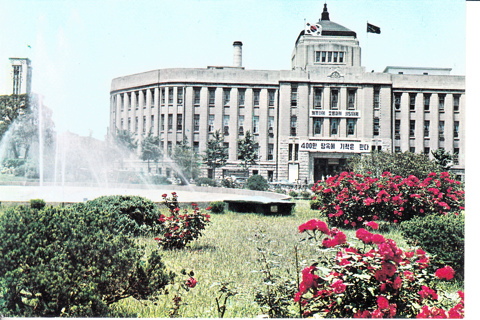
x: 349, y: 199
x: 378, y: 281
x: 177, y: 229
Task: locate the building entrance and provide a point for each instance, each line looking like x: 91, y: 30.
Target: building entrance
x: 323, y: 168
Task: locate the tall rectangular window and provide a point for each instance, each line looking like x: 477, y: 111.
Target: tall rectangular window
x: 293, y: 125
x: 170, y: 95
x: 256, y: 122
x: 412, y: 97
x: 179, y: 96
x: 256, y: 97
x: 335, y: 56
x: 136, y: 124
x: 426, y: 101
x: 241, y: 120
x: 317, y: 56
x: 351, y: 123
x: 129, y: 95
x: 340, y: 57
x: 129, y: 124
x: 226, y: 124
x: 376, y: 126
x: 144, y: 129
x: 271, y: 121
x: 334, y: 99
x: 456, y: 102
x: 270, y: 151
x: 376, y: 98
x: 397, y: 129
x: 456, y: 128
x: 324, y: 56
x: 456, y: 152
x: 271, y: 98
x: 426, y: 128
x: 179, y: 122
x: 351, y: 99
x: 241, y: 97
x: 293, y: 95
x: 441, y: 130
x: 317, y: 99
x: 426, y: 151
x: 196, y: 122
x: 317, y: 126
x: 137, y: 99
x: 412, y: 128
x: 211, y: 97
x: 290, y: 152
x: 162, y: 95
x: 162, y: 122
x: 211, y: 123
x: 152, y: 121
x: 441, y: 102
x: 152, y: 95
x: 333, y: 126
x: 330, y: 53
x: 226, y: 97
x: 398, y: 100
x: 170, y: 122
x: 196, y: 146
x: 196, y: 96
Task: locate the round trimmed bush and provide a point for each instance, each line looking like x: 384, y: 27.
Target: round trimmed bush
x: 257, y: 182
x: 442, y: 236
x: 132, y: 215
x: 70, y: 262
x: 217, y: 206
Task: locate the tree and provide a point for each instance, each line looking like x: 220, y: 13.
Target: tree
x: 187, y: 160
x: 11, y: 106
x: 402, y: 164
x: 257, y: 182
x: 247, y: 151
x: 124, y: 142
x: 443, y: 158
x: 150, y: 149
x: 216, y: 154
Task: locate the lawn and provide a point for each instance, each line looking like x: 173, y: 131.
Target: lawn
x: 227, y: 253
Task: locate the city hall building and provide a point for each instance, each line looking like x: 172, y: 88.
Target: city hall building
x: 307, y: 120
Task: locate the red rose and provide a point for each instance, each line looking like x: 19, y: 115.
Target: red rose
x: 164, y: 195
x: 372, y: 224
x: 445, y: 273
x: 382, y: 302
x: 192, y: 282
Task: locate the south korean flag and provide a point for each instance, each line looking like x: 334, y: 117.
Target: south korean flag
x: 313, y: 29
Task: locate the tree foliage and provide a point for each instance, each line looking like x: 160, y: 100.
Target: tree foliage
x: 150, y: 148
x: 125, y: 140
x: 216, y: 154
x: 11, y: 106
x: 443, y: 158
x: 247, y: 151
x: 257, y: 182
x: 187, y: 160
x: 401, y: 164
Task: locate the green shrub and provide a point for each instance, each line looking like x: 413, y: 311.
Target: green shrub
x: 293, y: 193
x: 162, y: 180
x: 13, y: 163
x: 132, y: 215
x: 37, y: 203
x: 443, y: 236
x: 257, y: 182
x: 69, y: 262
x: 217, y: 206
x: 228, y: 183
x: 206, y: 181
x: 305, y: 194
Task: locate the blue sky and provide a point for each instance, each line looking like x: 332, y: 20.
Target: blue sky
x: 78, y: 47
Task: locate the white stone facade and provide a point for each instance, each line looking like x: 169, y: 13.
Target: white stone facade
x: 307, y: 120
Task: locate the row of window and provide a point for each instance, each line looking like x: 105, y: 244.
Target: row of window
x: 426, y: 101
x: 318, y: 126
x: 196, y: 123
x: 426, y: 129
x: 330, y: 56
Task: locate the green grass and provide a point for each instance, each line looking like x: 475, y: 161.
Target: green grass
x: 227, y: 252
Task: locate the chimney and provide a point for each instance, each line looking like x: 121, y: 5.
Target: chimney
x: 237, y: 54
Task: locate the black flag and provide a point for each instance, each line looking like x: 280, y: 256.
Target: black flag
x: 372, y: 29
